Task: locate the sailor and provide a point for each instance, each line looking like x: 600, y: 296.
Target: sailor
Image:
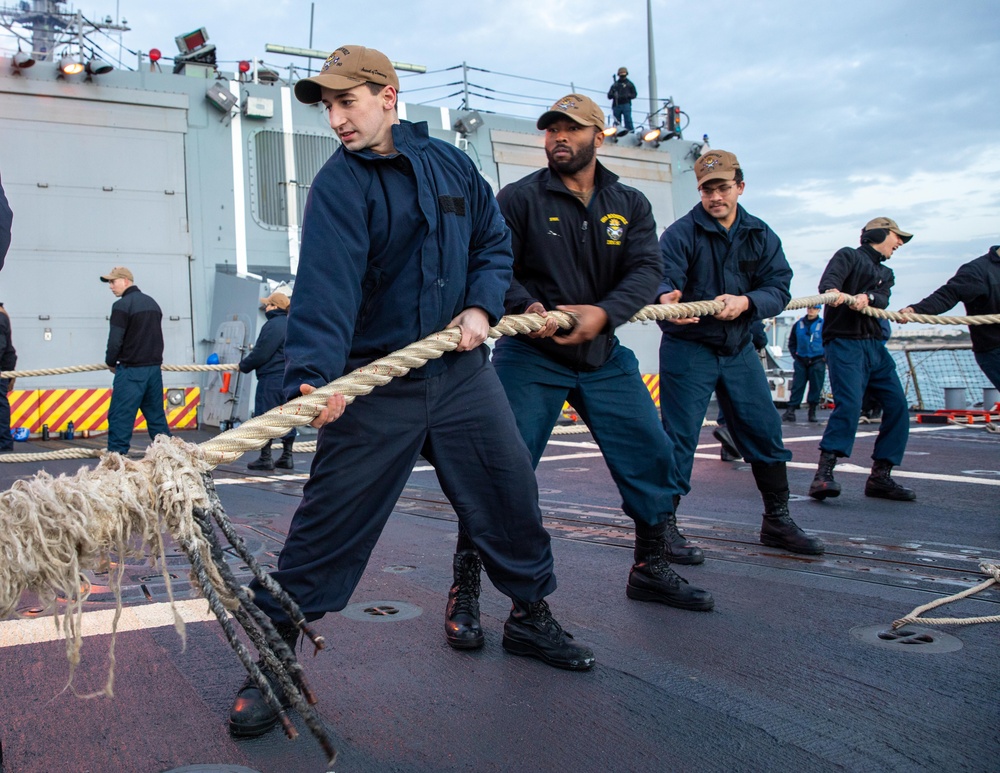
x: 805, y: 343
x: 134, y: 355
x: 268, y: 360
x: 6, y: 223
x: 858, y: 360
x: 585, y: 243
x: 621, y: 94
x: 720, y: 251
x: 402, y: 237
x: 8, y: 361
x: 977, y: 285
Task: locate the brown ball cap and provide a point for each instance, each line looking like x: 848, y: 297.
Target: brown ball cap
x: 716, y: 165
x: 345, y: 68
x: 577, y: 107
x: 889, y: 225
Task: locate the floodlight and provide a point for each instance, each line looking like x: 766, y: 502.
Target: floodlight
x: 468, y: 123
x: 70, y: 66
x: 610, y: 131
x: 97, y: 66
x: 22, y: 61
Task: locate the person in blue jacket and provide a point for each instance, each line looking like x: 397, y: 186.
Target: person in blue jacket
x: 805, y: 343
x: 719, y: 251
x: 6, y: 225
x: 402, y: 237
x: 268, y: 359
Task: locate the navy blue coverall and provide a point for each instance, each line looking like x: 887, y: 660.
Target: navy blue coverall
x: 605, y: 255
x: 268, y: 359
x: 704, y: 260
x: 393, y: 249
x: 805, y: 343
x: 857, y: 359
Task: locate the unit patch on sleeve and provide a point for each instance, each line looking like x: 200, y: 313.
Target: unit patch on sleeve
x: 616, y: 228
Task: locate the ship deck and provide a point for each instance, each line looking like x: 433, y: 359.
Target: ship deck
x: 786, y: 674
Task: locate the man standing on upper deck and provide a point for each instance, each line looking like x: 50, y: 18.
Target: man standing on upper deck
x: 858, y: 360
x: 585, y: 243
x: 719, y: 251
x: 977, y: 285
x: 401, y: 238
x: 134, y: 355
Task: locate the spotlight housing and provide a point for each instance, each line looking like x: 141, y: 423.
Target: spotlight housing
x: 70, y: 66
x: 22, y: 61
x: 97, y: 66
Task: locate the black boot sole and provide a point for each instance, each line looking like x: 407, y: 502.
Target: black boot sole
x: 911, y: 497
x: 251, y: 731
x: 465, y: 644
x: 523, y: 649
x: 826, y: 493
x: 685, y: 560
x: 772, y: 542
x: 641, y: 594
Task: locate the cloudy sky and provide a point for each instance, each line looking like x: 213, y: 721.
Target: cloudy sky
x: 839, y: 112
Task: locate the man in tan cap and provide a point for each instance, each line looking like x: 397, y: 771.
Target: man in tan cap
x: 268, y: 360
x: 621, y: 94
x: 603, y: 274
x: 402, y: 237
x: 134, y: 355
x: 719, y: 251
x: 857, y: 360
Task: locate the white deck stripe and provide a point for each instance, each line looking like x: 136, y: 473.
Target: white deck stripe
x: 14, y: 633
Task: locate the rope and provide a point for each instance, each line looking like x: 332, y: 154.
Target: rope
x: 914, y: 616
x: 102, y: 366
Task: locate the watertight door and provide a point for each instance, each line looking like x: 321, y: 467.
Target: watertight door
x: 222, y: 396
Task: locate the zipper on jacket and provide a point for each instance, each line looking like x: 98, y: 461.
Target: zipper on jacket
x: 583, y: 228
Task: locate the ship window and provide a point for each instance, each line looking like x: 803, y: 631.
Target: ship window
x: 269, y: 182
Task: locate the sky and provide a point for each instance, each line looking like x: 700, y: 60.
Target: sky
x: 839, y: 112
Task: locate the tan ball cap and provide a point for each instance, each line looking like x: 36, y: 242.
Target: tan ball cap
x: 276, y: 299
x: 716, y: 165
x: 345, y: 68
x: 889, y: 225
x: 118, y: 272
x: 579, y: 108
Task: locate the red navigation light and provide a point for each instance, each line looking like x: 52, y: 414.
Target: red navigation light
x: 244, y: 65
x: 155, y: 55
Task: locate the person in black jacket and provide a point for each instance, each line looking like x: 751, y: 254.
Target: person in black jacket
x: 6, y: 223
x: 586, y: 244
x: 621, y: 94
x: 857, y: 360
x: 8, y: 361
x: 977, y: 285
x: 134, y: 355
x: 268, y: 359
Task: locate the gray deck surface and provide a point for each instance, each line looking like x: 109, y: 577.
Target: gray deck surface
x: 772, y: 679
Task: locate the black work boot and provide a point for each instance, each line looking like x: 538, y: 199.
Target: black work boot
x: 251, y: 715
x: 285, y: 461
x: 675, y: 545
x: 652, y: 579
x: 880, y: 484
x: 533, y: 632
x: 823, y: 485
x: 812, y: 413
x: 264, y: 462
x: 778, y: 530
x: 729, y: 452
x: 461, y: 618
x: 789, y: 415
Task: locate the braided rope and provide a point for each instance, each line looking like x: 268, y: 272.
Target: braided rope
x: 254, y: 433
x: 914, y: 616
x: 102, y: 366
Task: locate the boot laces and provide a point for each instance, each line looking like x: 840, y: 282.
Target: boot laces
x: 541, y: 618
x: 467, y: 585
x: 660, y: 567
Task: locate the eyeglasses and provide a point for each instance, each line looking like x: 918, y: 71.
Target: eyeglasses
x: 722, y: 190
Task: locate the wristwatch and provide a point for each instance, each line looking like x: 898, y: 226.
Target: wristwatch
x: 871, y: 298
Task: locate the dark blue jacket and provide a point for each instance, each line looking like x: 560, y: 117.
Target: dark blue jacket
x: 268, y: 355
x: 350, y: 308
x: 806, y: 339
x: 603, y: 255
x: 853, y: 271
x: 136, y: 336
x: 977, y: 285
x: 703, y: 261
